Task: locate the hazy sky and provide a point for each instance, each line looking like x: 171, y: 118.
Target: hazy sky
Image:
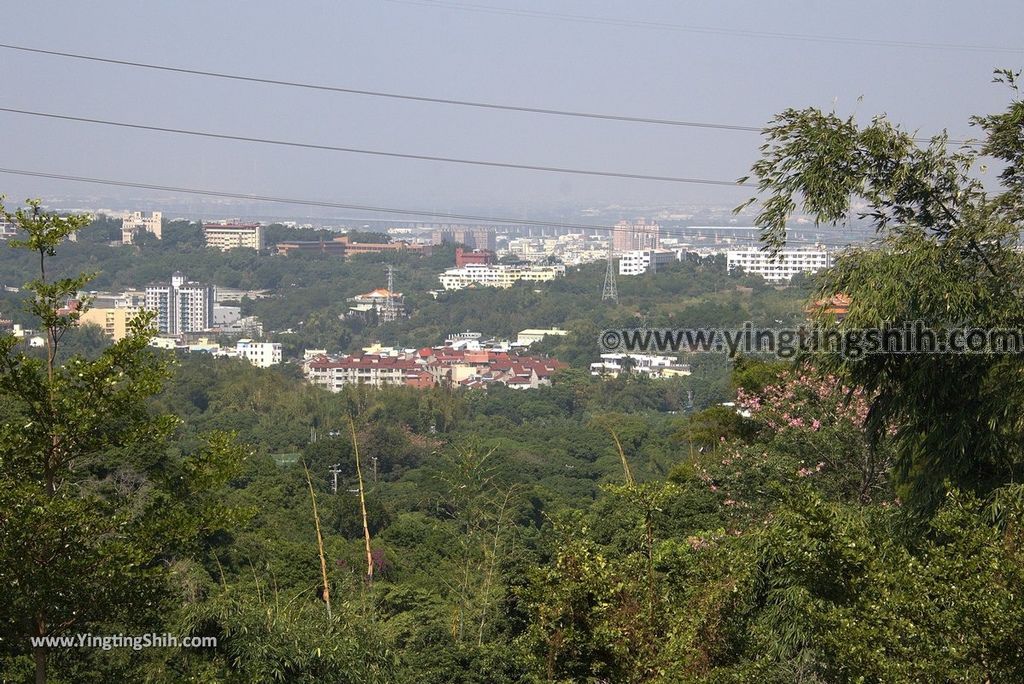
x: 444, y: 51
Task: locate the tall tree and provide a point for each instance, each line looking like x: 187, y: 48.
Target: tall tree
x: 93, y: 508
x: 948, y: 256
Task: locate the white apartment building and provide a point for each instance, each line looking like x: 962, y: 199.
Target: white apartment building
x: 259, y: 354
x: 653, y: 365
x: 638, y: 261
x: 7, y: 229
x: 181, y: 306
x: 783, y: 266
x: 224, y: 235
x: 527, y: 337
x: 480, y: 275
x: 137, y: 221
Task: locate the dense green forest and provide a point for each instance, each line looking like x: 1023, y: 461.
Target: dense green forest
x: 842, y: 520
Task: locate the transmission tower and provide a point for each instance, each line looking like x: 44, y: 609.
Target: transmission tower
x: 389, y: 312
x: 610, y: 291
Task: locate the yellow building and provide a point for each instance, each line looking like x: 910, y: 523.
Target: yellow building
x: 113, y: 321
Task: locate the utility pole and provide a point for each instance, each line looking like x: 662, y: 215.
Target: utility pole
x: 374, y: 459
x: 610, y: 290
x: 335, y: 470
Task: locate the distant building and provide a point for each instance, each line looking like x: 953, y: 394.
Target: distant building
x: 476, y: 275
x: 531, y: 335
x: 447, y: 366
x: 368, y: 369
x: 334, y: 247
x: 343, y: 246
x: 638, y: 261
x: 7, y: 229
x: 378, y: 301
x: 225, y: 235
x: 652, y: 365
x: 112, y: 320
x: 837, y: 306
x: 474, y: 237
x: 477, y: 256
x: 259, y: 354
x: 628, y: 236
x: 225, y: 315
x: 137, y: 221
x: 181, y: 306
x: 781, y: 267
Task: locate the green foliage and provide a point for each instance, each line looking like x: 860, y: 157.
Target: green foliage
x: 93, y: 508
x: 948, y: 257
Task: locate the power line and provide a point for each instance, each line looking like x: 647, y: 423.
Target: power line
x: 378, y: 153
x: 712, y: 30
x: 414, y: 98
x: 355, y: 207
x: 396, y: 96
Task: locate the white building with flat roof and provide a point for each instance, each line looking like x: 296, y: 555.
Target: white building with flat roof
x: 480, y: 275
x: 530, y: 335
x: 652, y: 365
x: 137, y: 221
x: 259, y: 354
x: 638, y: 261
x: 781, y: 267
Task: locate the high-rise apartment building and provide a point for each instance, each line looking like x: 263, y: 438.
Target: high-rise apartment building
x: 181, y: 306
x: 629, y: 236
x: 225, y: 235
x: 137, y: 221
x: 475, y: 237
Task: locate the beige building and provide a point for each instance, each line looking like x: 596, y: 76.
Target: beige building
x: 225, y: 236
x: 113, y: 321
x: 137, y: 221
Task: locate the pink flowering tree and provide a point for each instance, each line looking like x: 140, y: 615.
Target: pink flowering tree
x: 802, y: 429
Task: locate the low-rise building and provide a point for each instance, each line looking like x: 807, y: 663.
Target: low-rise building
x: 781, y: 267
x: 639, y: 261
x: 383, y: 302
x: 136, y: 222
x: 343, y: 246
x: 112, y: 320
x: 447, y: 366
x: 367, y: 369
x: 259, y: 354
x: 7, y: 229
x: 464, y: 257
x: 653, y: 365
x: 531, y: 335
x: 478, y: 275
x: 225, y: 235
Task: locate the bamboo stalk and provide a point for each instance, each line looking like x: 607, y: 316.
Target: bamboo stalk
x: 362, y: 501
x: 319, y: 541
x: 622, y: 456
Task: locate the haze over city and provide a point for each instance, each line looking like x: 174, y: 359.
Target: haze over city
x: 926, y: 65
